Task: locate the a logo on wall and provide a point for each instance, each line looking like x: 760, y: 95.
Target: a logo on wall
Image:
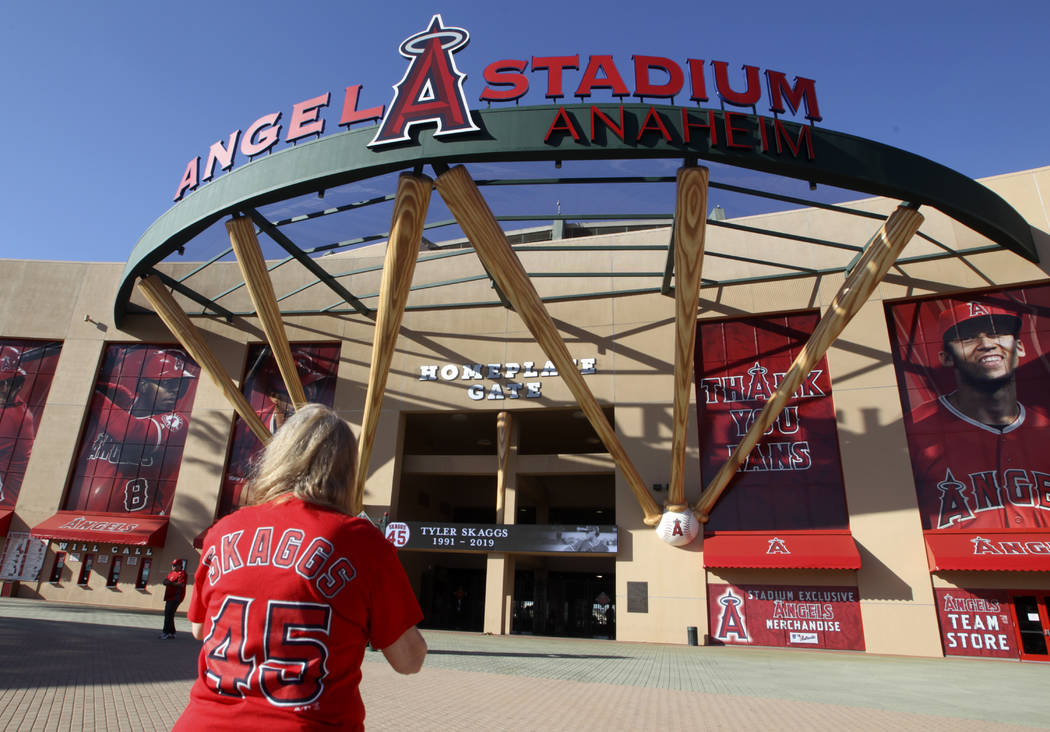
x: 777, y: 546
x: 730, y: 619
x: 432, y: 87
x: 397, y: 533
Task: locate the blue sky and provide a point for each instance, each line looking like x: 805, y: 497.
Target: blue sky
x: 107, y: 102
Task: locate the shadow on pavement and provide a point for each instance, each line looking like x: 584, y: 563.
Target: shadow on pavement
x: 40, y: 653
x: 440, y: 652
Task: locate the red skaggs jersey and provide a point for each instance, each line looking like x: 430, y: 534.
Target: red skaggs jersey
x: 969, y: 475
x: 289, y: 593
x: 132, y: 462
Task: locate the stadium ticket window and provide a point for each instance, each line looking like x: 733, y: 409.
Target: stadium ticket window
x: 85, y: 569
x: 57, y: 567
x: 1032, y: 613
x: 114, y: 573
x: 144, y: 567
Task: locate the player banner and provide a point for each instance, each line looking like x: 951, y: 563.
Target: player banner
x: 972, y: 371
x: 502, y: 537
x: 26, y: 371
x: 138, y: 419
x: 793, y: 478
x: 317, y: 365
x: 785, y: 616
x: 976, y: 623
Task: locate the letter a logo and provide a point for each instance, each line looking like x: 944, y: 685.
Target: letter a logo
x: 729, y: 621
x: 432, y: 88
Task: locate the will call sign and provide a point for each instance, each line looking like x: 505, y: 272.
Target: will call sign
x: 431, y: 93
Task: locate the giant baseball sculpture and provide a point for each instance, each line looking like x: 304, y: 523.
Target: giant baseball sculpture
x: 260, y: 290
x: 406, y: 231
x: 690, y: 220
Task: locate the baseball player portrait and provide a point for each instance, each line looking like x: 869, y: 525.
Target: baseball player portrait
x: 268, y: 396
x: 26, y: 370
x: 132, y: 448
x: 977, y: 445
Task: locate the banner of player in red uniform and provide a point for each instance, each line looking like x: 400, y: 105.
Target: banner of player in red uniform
x: 793, y: 478
x: 26, y: 371
x: 973, y: 373
x: 785, y: 616
x: 264, y: 388
x: 131, y: 450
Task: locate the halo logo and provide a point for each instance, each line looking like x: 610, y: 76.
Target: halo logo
x: 432, y: 87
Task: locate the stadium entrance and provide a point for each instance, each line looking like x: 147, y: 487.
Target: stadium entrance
x: 452, y: 592
x: 569, y: 602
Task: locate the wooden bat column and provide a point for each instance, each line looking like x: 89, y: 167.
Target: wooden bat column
x: 260, y: 289
x: 690, y: 220
x: 190, y: 339
x: 466, y: 203
x: 880, y: 253
x: 406, y: 232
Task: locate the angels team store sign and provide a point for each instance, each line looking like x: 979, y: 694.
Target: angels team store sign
x: 432, y: 91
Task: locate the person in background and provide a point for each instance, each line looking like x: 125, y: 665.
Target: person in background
x: 290, y: 589
x: 174, y: 594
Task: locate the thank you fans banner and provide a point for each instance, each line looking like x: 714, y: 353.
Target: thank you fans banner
x: 793, y: 478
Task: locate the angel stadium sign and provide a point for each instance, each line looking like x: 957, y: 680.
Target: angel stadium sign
x: 431, y: 92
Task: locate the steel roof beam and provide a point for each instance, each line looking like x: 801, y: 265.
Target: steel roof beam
x: 192, y: 294
x: 304, y: 259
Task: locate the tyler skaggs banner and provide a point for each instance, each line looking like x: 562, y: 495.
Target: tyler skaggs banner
x: 793, y: 477
x: 502, y: 537
x: 782, y: 615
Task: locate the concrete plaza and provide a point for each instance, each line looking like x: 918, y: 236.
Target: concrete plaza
x: 72, y: 667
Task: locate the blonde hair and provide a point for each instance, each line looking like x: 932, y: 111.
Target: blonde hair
x: 313, y: 456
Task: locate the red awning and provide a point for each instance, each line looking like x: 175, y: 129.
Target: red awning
x: 1016, y: 551
x: 109, y: 528
x: 781, y: 550
x: 5, y: 520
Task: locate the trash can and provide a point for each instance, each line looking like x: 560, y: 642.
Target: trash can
x: 691, y: 633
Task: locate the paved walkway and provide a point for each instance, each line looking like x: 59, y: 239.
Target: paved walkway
x: 67, y: 667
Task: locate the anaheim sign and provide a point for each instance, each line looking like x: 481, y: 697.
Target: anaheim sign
x: 431, y: 92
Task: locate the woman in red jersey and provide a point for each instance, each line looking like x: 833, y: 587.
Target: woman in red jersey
x: 290, y: 589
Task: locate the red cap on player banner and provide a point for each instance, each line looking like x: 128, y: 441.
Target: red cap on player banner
x: 967, y: 319
x: 9, y: 363
x: 151, y: 363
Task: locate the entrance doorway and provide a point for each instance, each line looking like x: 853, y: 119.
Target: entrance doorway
x: 1032, y: 614
x: 567, y: 604
x: 453, y: 598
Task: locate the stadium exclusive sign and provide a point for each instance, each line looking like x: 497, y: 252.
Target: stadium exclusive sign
x: 502, y: 537
x: 431, y: 92
x: 785, y: 616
